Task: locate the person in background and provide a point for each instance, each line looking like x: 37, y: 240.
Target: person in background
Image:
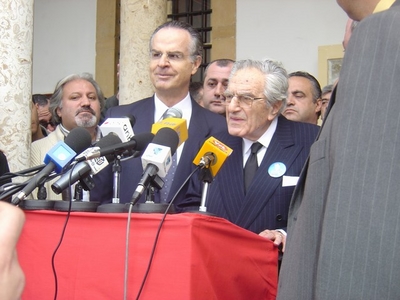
x: 304, y: 94
x: 12, y: 278
x: 325, y: 97
x: 38, y: 131
x: 196, y: 91
x: 175, y: 51
x: 343, y: 228
x: 76, y: 102
x: 216, y: 78
x: 42, y: 106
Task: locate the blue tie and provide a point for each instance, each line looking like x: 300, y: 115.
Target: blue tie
x: 168, y: 181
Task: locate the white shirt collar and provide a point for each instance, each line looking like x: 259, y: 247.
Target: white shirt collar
x: 185, y: 105
x: 265, y: 139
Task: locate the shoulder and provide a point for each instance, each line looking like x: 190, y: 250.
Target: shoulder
x: 301, y: 132
x: 207, y: 116
x: 126, y: 109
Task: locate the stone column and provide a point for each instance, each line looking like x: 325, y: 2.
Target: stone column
x: 16, y: 32
x: 139, y: 18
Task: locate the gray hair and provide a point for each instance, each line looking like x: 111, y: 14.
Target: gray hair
x: 56, y: 98
x: 327, y: 89
x: 196, y: 45
x: 275, y: 79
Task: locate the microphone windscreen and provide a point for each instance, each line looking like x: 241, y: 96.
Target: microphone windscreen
x: 143, y: 140
x: 78, y: 139
x: 132, y: 119
x: 107, y: 141
x: 172, y: 113
x: 167, y: 137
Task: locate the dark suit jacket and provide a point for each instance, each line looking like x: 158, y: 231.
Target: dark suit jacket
x: 344, y: 228
x: 203, y: 123
x: 266, y: 204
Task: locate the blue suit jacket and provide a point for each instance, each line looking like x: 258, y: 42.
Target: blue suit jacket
x: 203, y: 123
x: 266, y: 204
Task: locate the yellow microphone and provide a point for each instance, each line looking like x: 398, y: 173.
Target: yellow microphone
x: 172, y: 119
x: 212, y: 155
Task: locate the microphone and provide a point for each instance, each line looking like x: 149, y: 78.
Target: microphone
x: 138, y: 142
x: 56, y: 159
x: 157, y: 159
x: 120, y: 126
x: 212, y: 155
x: 172, y: 118
x: 85, y: 168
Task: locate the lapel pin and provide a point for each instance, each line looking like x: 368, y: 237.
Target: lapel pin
x: 277, y: 169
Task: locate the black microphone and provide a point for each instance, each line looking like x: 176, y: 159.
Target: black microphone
x: 138, y: 142
x: 56, y: 159
x: 157, y: 158
x: 86, y: 168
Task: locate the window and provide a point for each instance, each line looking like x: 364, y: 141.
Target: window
x: 198, y: 14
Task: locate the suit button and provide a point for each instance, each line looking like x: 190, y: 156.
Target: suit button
x: 279, y: 217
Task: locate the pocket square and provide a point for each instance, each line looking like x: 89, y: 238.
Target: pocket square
x: 289, y: 180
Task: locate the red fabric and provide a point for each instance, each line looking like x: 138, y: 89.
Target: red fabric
x: 197, y: 257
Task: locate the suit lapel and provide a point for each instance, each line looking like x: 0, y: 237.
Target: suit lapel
x: 231, y: 179
x: 264, y: 186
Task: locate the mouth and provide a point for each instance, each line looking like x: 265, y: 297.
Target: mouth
x: 85, y: 112
x: 290, y: 111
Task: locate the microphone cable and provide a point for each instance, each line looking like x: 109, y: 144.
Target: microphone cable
x: 155, y: 240
x: 61, y: 240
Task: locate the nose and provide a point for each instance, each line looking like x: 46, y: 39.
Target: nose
x: 163, y: 61
x: 219, y: 91
x: 290, y: 101
x: 85, y: 101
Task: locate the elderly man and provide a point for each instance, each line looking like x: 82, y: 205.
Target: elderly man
x: 215, y: 82
x: 76, y: 102
x: 344, y: 229
x: 175, y: 55
x: 303, y: 103
x: 275, y: 147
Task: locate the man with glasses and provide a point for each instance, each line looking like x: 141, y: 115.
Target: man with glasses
x: 254, y: 186
x: 175, y: 55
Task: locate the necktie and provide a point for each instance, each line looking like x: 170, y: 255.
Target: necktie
x: 251, y: 166
x: 168, y: 180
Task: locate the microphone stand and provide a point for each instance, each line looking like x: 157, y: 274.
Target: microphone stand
x: 149, y: 206
x: 205, y: 176
x: 115, y: 206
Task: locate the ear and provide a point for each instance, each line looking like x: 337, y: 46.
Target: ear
x: 58, y: 111
x: 275, y: 110
x: 318, y: 105
x: 196, y: 64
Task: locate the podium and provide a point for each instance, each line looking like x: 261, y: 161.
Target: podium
x: 197, y: 257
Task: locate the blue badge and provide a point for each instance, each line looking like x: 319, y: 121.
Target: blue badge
x: 277, y: 169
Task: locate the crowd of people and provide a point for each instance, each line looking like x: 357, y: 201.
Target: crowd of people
x: 325, y: 195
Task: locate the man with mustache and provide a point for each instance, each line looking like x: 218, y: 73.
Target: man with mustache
x: 76, y: 102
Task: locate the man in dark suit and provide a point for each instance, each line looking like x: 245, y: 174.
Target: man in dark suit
x: 344, y: 229
x: 255, y: 97
x: 175, y: 55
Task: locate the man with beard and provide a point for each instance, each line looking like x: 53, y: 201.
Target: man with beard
x: 76, y: 102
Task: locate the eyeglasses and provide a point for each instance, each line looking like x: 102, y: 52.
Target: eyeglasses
x: 244, y: 101
x: 170, y: 56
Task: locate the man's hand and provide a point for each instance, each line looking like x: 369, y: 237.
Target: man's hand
x: 276, y: 236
